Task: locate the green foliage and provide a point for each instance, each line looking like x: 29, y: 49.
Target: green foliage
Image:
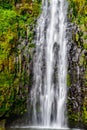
x: 7, y: 19
x: 84, y: 114
x: 78, y: 9
x: 7, y: 4
x: 17, y: 21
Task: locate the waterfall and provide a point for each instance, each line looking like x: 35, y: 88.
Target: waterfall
x: 49, y: 90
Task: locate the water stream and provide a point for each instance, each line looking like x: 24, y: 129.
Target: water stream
x: 49, y: 90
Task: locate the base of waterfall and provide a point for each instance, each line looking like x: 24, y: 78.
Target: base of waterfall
x: 42, y: 127
x: 39, y: 128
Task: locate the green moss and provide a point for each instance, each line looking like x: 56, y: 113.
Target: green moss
x: 85, y: 37
x: 72, y: 118
x: 68, y: 80
x: 85, y: 79
x: 81, y: 61
x: 77, y: 37
x: 84, y: 114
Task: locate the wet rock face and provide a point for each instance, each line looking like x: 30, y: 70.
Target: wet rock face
x: 2, y: 125
x: 77, y: 67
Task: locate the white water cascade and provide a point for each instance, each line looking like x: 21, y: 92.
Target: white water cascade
x: 49, y: 90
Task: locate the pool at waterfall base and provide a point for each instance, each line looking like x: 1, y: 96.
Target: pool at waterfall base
x: 39, y: 128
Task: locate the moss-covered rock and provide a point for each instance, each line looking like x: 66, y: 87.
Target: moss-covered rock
x: 77, y: 94
x: 17, y: 25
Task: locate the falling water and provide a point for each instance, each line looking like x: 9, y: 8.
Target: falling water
x: 48, y: 94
